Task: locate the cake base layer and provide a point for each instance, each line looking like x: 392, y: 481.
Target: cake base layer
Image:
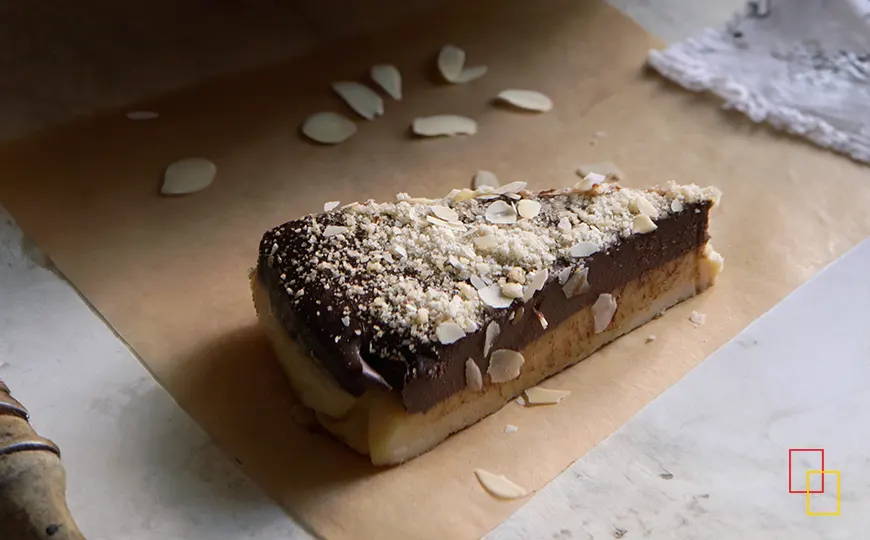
x: 377, y: 424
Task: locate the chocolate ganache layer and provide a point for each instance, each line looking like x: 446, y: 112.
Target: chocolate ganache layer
x: 399, y: 295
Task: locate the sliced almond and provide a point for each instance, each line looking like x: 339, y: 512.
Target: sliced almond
x: 388, y: 77
x: 477, y: 283
x: 142, y: 115
x: 328, y: 128
x: 697, y: 318
x: 642, y: 224
x: 577, y: 283
x: 542, y: 319
x: 564, y: 275
x: 565, y: 224
x: 469, y: 74
x: 455, y: 225
x: 512, y: 290
x: 330, y: 206
x: 492, y: 296
x: 536, y: 283
x: 602, y: 312
x: 484, y: 178
x: 501, y: 212
x: 528, y: 208
x: 527, y: 99
x: 610, y: 171
x: 451, y: 60
x: 641, y: 205
x: 334, y: 230
x: 676, y: 206
x: 505, y: 365
x: 499, y: 486
x: 492, y: 332
x: 445, y: 212
x: 188, y: 176
x: 449, y: 332
x: 544, y: 396
x: 359, y: 97
x: 584, y: 249
x: 444, y: 125
x: 473, y: 376
x: 589, y: 181
x: 401, y: 251
x: 512, y: 187
x: 486, y: 242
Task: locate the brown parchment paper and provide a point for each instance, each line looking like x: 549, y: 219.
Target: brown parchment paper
x: 170, y: 274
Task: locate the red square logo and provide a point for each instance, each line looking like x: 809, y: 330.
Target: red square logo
x: 797, y: 465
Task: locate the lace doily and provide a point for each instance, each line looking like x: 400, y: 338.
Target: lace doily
x: 802, y: 66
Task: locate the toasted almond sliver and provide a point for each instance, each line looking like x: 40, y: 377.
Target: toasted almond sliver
x: 492, y: 296
x: 544, y: 396
x: 602, y: 312
x: 476, y: 282
x: 542, y: 319
x: 536, y: 283
x: 359, y: 97
x: 499, y: 486
x: 528, y: 208
x: 642, y: 224
x: 577, y: 283
x: 328, y: 128
x: 449, y: 332
x: 188, y: 176
x: 584, y: 249
x: 501, y: 213
x: 451, y: 61
x: 334, y: 230
x: 388, y: 78
x: 455, y: 225
x: 401, y: 251
x: 445, y: 212
x: 505, y: 365
x: 527, y: 99
x: 444, y: 125
x: 641, y: 205
x: 511, y: 187
x: 589, y: 181
x: 512, y: 290
x: 330, y: 206
x: 484, y: 178
x: 492, y: 332
x: 473, y: 376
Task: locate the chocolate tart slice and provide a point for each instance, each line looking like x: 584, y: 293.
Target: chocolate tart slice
x: 400, y: 323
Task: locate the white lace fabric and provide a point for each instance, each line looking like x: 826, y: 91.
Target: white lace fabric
x: 803, y: 66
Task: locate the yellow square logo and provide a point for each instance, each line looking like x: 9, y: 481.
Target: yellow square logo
x: 808, y: 493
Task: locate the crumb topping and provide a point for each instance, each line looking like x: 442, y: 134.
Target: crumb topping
x: 396, y: 272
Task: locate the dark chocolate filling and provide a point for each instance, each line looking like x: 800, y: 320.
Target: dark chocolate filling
x: 431, y: 374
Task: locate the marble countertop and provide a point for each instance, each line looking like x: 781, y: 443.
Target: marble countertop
x: 708, y: 459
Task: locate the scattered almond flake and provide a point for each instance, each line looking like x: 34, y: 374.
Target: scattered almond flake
x: 544, y: 396
x: 642, y: 224
x: 333, y: 230
x: 542, y: 319
x: 451, y: 60
x: 565, y: 224
x: 584, y: 249
x: 499, y: 486
x: 142, y: 115
x: 456, y: 226
x: 520, y: 401
x: 589, y: 181
x: 528, y: 208
x: 388, y: 77
x: 328, y: 128
x: 444, y: 125
x: 577, y: 283
x: 345, y: 321
x: 492, y: 296
x: 501, y: 213
x: 676, y: 206
x: 536, y: 283
x: 469, y: 292
x: 486, y: 242
x: 188, y: 176
x: 510, y: 428
x: 477, y: 282
x: 492, y: 332
x: 602, y: 312
x: 401, y: 251
x: 454, y: 262
x: 505, y: 365
x: 449, y: 332
x: 484, y: 178
x: 564, y: 275
x: 527, y: 99
x: 511, y: 187
x: 469, y: 74
x: 650, y: 338
x: 512, y: 290
x: 445, y: 212
x: 611, y: 172
x: 359, y: 97
x: 473, y: 376
x: 330, y: 206
x: 698, y: 318
x: 641, y: 205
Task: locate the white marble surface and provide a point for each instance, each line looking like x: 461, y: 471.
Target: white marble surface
x: 139, y: 468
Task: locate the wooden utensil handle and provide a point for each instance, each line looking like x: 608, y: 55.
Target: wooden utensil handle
x: 32, y: 480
